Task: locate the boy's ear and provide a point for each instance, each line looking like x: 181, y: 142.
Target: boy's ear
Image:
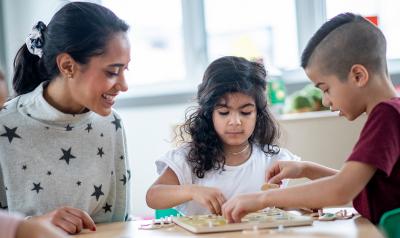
x: 66, y: 64
x: 359, y: 75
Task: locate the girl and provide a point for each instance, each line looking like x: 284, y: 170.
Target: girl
x: 62, y: 147
x: 232, y: 136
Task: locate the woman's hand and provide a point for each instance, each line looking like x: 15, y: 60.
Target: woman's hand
x: 69, y: 219
x: 239, y: 206
x: 284, y: 170
x: 38, y: 229
x: 211, y: 198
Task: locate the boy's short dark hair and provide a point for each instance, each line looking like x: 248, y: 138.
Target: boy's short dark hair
x: 343, y: 41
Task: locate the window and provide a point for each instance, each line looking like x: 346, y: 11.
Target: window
x: 156, y: 39
x: 173, y: 41
x: 253, y: 29
x: 387, y: 13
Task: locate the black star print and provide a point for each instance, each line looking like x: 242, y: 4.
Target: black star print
x: 10, y: 133
x: 6, y: 188
x: 36, y: 187
x: 97, y: 192
x: 126, y: 217
x: 107, y: 208
x: 129, y: 174
x: 89, y: 127
x: 67, y: 155
x: 123, y: 180
x: 47, y: 127
x: 100, y: 152
x: 112, y: 172
x: 101, y: 135
x: 68, y: 128
x: 20, y: 105
x: 121, y: 157
x: 24, y: 167
x: 29, y: 115
x: 5, y: 207
x: 117, y: 123
x: 49, y: 173
x: 79, y: 183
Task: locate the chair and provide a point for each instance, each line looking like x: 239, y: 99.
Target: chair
x: 166, y: 213
x: 390, y: 223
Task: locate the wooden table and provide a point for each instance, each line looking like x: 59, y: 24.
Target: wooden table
x: 355, y: 227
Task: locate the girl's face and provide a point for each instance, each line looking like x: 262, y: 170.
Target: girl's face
x: 234, y: 118
x: 96, y: 84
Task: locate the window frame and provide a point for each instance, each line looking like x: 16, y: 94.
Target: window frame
x: 309, y: 18
x: 310, y: 15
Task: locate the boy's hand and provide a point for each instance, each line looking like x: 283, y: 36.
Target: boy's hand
x: 69, y: 219
x: 211, y: 198
x: 284, y: 170
x: 237, y: 207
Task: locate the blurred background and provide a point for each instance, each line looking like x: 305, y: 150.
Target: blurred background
x: 173, y: 41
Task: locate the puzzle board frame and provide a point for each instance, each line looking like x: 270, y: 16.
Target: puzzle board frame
x: 203, y: 227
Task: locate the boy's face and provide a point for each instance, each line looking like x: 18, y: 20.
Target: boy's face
x: 338, y: 95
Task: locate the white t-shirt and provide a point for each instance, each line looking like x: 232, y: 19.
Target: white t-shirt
x: 245, y: 178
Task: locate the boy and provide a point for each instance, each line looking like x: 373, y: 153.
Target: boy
x: 346, y: 59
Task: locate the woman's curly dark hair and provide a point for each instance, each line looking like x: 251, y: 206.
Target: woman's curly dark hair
x: 228, y: 74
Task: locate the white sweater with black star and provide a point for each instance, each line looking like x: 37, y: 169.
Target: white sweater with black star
x: 49, y: 159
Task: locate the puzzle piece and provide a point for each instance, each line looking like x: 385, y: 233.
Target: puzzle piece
x: 267, y: 186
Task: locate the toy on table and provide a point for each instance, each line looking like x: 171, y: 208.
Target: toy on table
x: 267, y: 218
x: 320, y: 215
x: 158, y: 224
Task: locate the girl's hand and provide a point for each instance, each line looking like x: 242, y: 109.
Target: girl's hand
x: 69, y: 219
x: 38, y: 229
x: 284, y: 170
x: 237, y: 207
x: 211, y: 198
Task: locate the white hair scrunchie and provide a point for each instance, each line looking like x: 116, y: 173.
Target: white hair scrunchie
x: 34, y: 42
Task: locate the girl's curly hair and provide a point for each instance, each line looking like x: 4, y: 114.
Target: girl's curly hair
x: 228, y: 74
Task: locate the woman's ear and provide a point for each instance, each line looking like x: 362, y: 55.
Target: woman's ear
x: 359, y: 75
x: 66, y: 64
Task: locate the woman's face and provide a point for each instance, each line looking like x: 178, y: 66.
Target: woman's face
x: 234, y: 119
x: 3, y: 90
x: 96, y: 84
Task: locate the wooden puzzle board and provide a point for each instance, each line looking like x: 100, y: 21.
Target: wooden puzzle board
x: 268, y: 218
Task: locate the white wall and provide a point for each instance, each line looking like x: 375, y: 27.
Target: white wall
x: 19, y: 16
x: 321, y: 137
x: 149, y: 131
